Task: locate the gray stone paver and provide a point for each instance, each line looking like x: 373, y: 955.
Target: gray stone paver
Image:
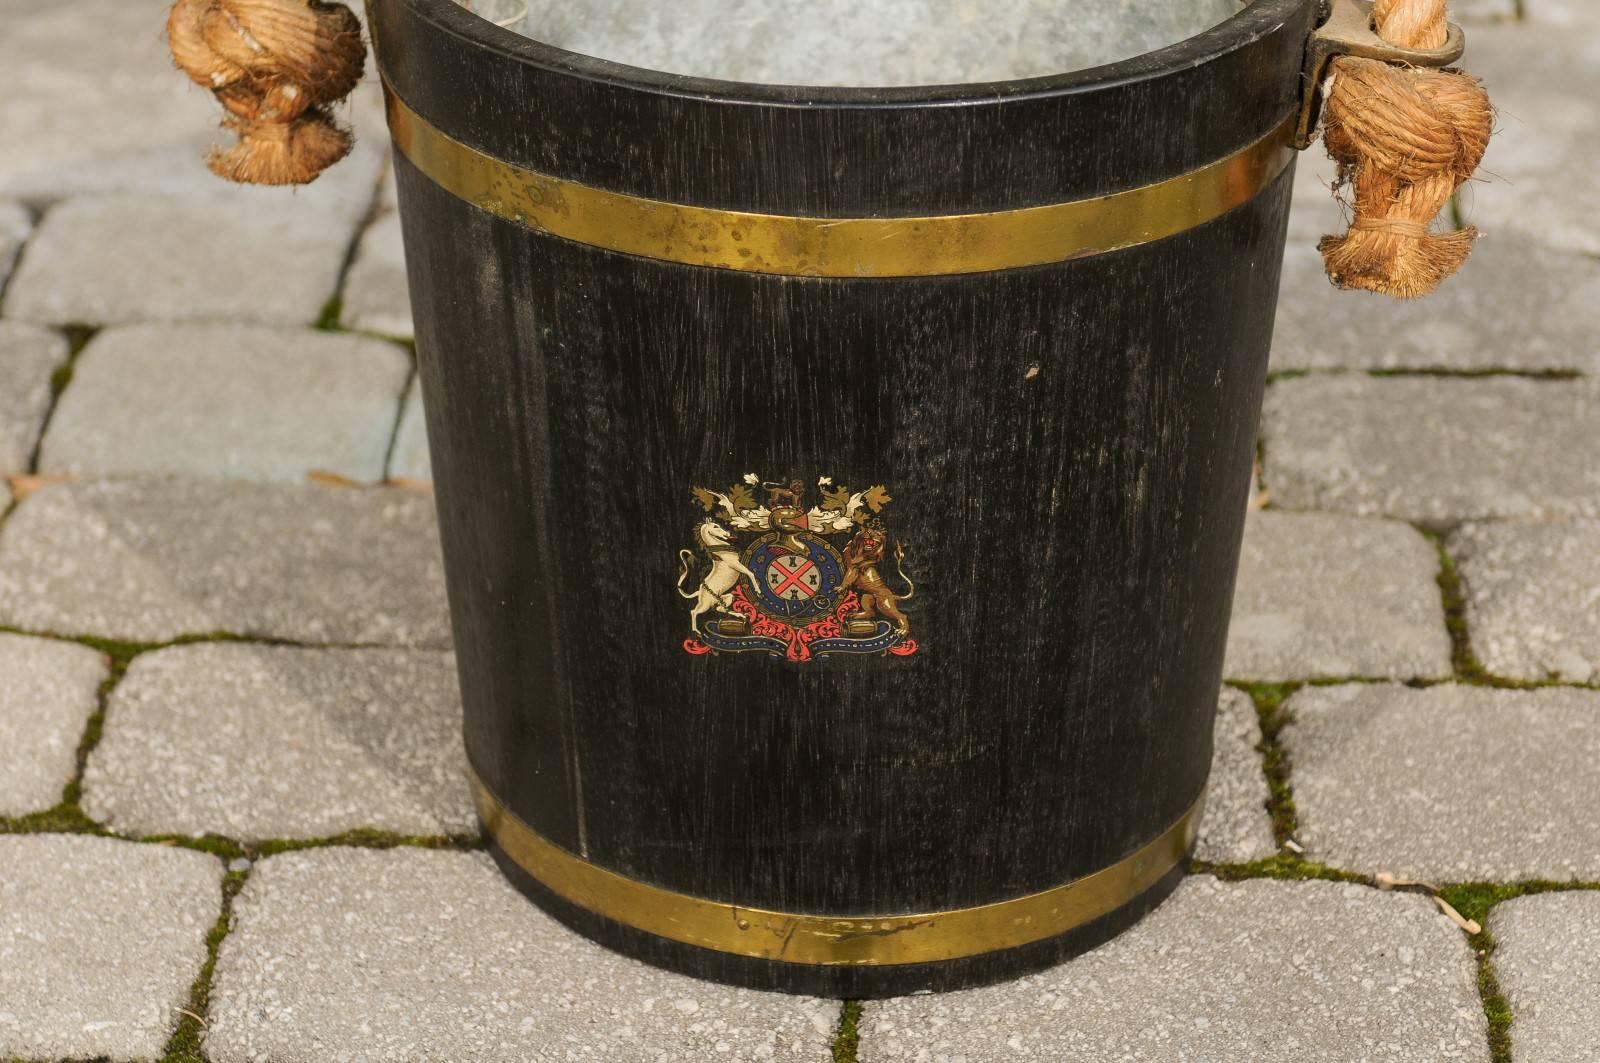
x: 1533, y: 597
x: 15, y: 225
x: 255, y: 742
x: 1488, y: 10
x: 1315, y: 208
x: 48, y: 691
x: 1434, y: 451
x: 389, y: 190
x: 148, y: 560
x: 101, y: 126
x: 85, y: 114
x: 1544, y: 959
x: 228, y: 400
x: 114, y: 259
x: 1537, y: 108
x: 1476, y: 321
x: 1551, y: 209
x: 1323, y: 596
x: 1451, y: 783
x: 29, y: 357
x: 410, y: 459
x: 56, y: 113
x: 1236, y: 828
x: 376, y: 297
x: 1539, y: 176
x: 1251, y: 970
x: 146, y: 232
x: 1546, y: 208
x: 1580, y: 13
x: 420, y: 955
x: 99, y: 942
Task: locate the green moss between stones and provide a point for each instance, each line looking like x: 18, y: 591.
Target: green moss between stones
x: 62, y: 819
x: 120, y: 651
x: 367, y: 839
x: 1268, y: 696
x: 1475, y: 900
x: 1269, y: 699
x: 1464, y: 660
x: 1280, y: 867
x: 848, y: 1039
x: 1496, y: 1008
x: 328, y: 320
x: 1478, y: 374
x: 215, y: 844
x: 68, y: 816
x: 185, y: 1045
x: 78, y: 337
x: 59, y: 379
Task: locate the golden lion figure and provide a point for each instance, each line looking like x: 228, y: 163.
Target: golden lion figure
x: 861, y: 560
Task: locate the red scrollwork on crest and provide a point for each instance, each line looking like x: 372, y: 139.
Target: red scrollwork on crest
x: 798, y: 639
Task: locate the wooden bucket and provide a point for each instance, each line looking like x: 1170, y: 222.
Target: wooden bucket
x: 841, y: 489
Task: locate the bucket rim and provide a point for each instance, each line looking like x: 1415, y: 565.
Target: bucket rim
x: 1237, y: 31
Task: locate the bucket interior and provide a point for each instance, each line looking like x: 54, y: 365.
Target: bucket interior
x: 847, y: 43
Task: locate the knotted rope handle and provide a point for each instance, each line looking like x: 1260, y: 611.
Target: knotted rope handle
x: 275, y: 66
x: 1405, y: 138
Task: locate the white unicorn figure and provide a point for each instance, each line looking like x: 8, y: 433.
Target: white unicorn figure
x: 715, y: 590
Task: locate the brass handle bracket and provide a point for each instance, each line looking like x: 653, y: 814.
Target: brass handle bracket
x: 1348, y: 30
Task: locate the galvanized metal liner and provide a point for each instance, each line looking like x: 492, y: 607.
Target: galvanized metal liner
x: 850, y: 43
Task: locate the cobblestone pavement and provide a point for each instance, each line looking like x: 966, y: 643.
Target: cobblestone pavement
x: 233, y: 825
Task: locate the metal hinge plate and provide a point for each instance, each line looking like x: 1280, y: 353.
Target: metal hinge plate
x: 1348, y: 31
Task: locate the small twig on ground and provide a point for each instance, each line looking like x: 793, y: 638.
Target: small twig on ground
x: 1385, y: 881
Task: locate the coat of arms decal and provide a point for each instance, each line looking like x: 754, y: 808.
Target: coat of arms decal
x: 800, y: 583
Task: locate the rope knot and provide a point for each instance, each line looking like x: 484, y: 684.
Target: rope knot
x: 275, y: 66
x: 1405, y: 139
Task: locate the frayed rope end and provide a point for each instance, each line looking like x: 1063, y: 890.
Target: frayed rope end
x: 277, y: 154
x: 1402, y: 266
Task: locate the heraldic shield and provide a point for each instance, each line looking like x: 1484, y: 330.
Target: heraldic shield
x: 779, y: 577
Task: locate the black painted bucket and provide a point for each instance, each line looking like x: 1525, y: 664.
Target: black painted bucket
x: 841, y: 489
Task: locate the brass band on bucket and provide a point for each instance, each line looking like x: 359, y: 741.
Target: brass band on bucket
x: 825, y: 940
x: 837, y: 247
